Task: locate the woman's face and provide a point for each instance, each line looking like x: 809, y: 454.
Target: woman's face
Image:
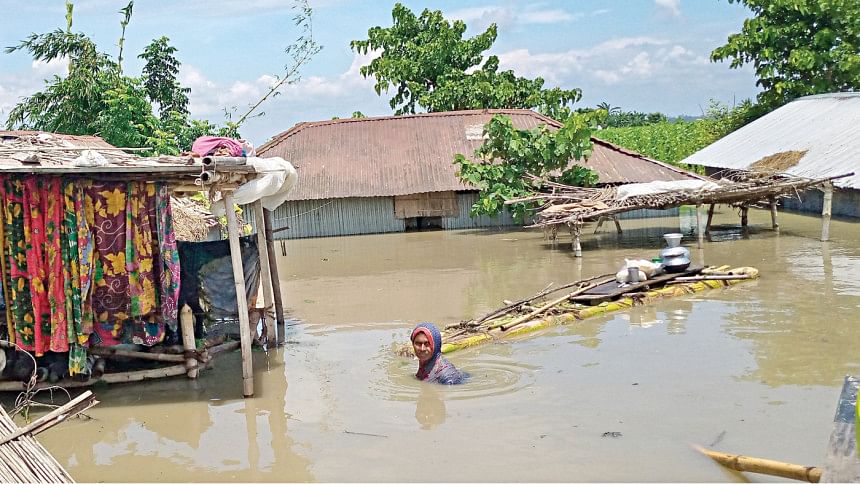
x: 422, y: 347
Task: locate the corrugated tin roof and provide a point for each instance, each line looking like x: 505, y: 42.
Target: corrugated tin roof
x: 402, y: 155
x: 826, y: 126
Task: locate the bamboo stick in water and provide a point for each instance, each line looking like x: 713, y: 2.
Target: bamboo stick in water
x: 763, y: 466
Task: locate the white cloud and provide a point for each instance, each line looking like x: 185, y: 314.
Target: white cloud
x: 479, y: 18
x: 673, y: 7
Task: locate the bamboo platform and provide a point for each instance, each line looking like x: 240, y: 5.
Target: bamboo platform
x: 528, y: 316
x: 22, y: 457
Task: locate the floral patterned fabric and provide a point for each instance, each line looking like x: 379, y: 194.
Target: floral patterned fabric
x: 86, y: 262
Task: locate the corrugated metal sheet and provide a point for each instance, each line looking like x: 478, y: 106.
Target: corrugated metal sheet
x: 403, y: 155
x: 827, y: 126
x: 340, y: 216
x: 464, y: 221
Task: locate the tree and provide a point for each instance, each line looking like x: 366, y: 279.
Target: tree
x: 797, y: 47
x: 514, y: 163
x: 431, y: 66
x: 159, y: 73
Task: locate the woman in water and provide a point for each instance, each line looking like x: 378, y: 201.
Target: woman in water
x: 432, y: 366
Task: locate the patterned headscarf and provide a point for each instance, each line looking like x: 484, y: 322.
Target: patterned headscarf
x: 437, y: 369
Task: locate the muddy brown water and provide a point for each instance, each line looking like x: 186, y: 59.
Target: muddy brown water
x: 754, y: 369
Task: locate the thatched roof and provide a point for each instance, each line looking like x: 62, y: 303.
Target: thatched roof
x: 563, y: 204
x: 192, y: 221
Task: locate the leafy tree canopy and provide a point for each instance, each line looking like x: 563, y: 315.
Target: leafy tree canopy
x: 798, y: 47
x: 431, y: 66
x: 514, y: 163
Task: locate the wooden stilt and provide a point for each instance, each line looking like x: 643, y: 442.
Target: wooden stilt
x: 744, y: 216
x: 576, y: 232
x: 700, y: 231
x: 773, y: 215
x: 710, y: 218
x: 599, y: 223
x: 276, y: 280
x: 265, y: 271
x: 826, y: 211
x: 617, y: 223
x: 242, y: 302
x: 186, y: 320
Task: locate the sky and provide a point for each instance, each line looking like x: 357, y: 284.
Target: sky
x: 645, y: 55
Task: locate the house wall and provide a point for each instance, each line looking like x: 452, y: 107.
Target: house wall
x: 846, y: 202
x: 373, y: 215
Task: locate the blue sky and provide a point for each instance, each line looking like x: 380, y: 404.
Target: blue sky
x: 647, y: 55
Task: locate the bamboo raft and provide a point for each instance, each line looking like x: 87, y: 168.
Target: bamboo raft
x: 536, y: 312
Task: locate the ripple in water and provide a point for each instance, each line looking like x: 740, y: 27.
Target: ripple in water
x: 489, y: 375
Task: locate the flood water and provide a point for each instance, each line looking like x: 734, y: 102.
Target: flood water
x: 754, y: 369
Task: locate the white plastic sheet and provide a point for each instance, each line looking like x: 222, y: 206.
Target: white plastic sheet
x: 276, y: 178
x: 655, y: 187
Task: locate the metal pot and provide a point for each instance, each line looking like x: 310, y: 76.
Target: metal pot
x: 675, y: 259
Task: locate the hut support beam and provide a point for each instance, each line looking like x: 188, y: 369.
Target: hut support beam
x: 600, y: 221
x: 617, y: 223
x: 186, y: 320
x: 744, y: 216
x: 700, y: 231
x: 710, y: 219
x: 265, y: 272
x: 276, y: 280
x: 241, y: 301
x: 774, y: 220
x: 826, y: 211
x: 575, y: 234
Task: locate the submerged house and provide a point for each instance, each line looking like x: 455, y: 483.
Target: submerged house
x: 812, y: 137
x: 395, y: 173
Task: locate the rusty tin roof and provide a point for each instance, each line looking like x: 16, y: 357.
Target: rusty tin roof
x: 402, y: 155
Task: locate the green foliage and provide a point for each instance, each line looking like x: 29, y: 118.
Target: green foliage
x: 160, y: 73
x: 671, y: 142
x: 357, y: 115
x: 509, y: 155
x: 431, y: 66
x: 95, y: 98
x: 797, y: 47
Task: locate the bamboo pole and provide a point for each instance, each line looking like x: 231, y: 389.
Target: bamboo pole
x: 726, y: 277
x: 763, y: 466
x: 545, y: 307
x: 617, y: 224
x: 265, y: 271
x: 773, y: 214
x: 140, y: 355
x: 186, y: 319
x: 276, y: 281
x: 700, y: 231
x: 77, y: 405
x: 241, y: 301
x: 141, y: 375
x: 710, y: 219
x: 826, y: 211
x: 744, y: 216
x: 600, y: 221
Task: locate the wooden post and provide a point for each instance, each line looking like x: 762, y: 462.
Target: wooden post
x: 773, y: 214
x: 617, y: 223
x: 276, y: 280
x: 825, y: 211
x: 241, y: 300
x: 186, y: 320
x: 599, y: 223
x: 744, y: 216
x: 710, y: 218
x: 575, y: 232
x: 700, y: 231
x: 265, y: 272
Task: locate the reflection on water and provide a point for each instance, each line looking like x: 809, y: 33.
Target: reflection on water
x: 430, y: 408
x: 756, y: 367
